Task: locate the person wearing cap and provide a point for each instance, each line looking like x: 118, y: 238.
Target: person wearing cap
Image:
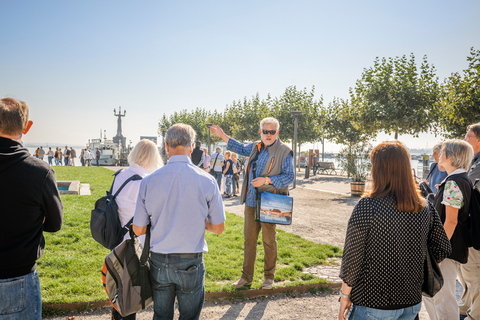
x: 197, y: 154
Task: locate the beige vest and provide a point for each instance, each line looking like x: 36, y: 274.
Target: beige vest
x: 273, y: 167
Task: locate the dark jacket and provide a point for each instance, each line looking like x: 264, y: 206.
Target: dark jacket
x: 29, y: 195
x: 197, y: 155
x: 459, y: 245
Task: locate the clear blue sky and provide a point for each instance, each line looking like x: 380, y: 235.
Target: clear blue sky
x: 73, y: 62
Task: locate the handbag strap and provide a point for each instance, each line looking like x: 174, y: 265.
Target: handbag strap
x: 143, y: 264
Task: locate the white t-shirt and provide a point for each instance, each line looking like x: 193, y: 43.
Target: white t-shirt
x: 217, y: 165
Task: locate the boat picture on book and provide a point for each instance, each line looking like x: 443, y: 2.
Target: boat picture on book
x: 276, y: 208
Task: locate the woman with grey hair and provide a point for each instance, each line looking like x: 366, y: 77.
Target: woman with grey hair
x: 144, y: 159
x: 437, y: 173
x: 452, y: 202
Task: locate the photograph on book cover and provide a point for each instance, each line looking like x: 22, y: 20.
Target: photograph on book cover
x: 276, y: 208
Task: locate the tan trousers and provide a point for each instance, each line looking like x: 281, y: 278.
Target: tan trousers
x: 469, y: 277
x: 251, y: 232
x: 444, y: 306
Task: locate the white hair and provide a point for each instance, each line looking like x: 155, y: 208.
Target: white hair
x: 270, y: 120
x: 145, y: 154
x: 459, y: 151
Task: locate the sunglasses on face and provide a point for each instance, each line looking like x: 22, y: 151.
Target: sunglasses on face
x: 271, y: 132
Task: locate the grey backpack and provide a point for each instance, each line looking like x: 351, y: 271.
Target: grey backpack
x: 126, y: 275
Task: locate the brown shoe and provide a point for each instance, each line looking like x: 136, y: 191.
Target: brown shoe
x: 241, y: 283
x: 267, y: 284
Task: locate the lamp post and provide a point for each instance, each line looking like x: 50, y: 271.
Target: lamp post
x: 295, y: 114
x: 208, y: 126
x: 163, y: 129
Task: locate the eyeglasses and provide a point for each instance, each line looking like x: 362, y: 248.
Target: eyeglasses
x: 272, y: 132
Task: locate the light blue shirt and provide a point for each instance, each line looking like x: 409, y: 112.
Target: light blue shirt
x: 177, y: 199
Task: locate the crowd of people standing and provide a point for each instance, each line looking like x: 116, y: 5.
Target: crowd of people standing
x: 67, y: 156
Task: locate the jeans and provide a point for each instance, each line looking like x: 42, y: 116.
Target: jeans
x: 363, y: 313
x: 218, y: 176
x: 181, y: 276
x: 65, y: 161
x: 235, y: 185
x: 50, y: 160
x: 228, y: 183
x: 96, y: 159
x: 20, y: 298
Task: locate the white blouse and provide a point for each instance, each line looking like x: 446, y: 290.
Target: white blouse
x: 127, y: 198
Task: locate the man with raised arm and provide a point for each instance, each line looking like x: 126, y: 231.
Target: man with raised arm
x: 181, y: 201
x: 272, y: 163
x: 30, y: 205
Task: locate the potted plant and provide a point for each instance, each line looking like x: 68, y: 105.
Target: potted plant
x: 354, y: 159
x: 343, y: 125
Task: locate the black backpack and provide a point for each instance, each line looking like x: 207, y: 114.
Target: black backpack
x: 105, y: 224
x: 473, y: 226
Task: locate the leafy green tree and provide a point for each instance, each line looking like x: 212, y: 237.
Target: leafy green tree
x: 343, y: 126
x: 393, y: 96
x: 460, y: 103
x: 196, y: 118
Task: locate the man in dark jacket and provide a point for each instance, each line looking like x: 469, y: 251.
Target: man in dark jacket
x: 30, y: 205
x: 197, y: 155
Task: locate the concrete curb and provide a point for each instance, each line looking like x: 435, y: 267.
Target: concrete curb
x: 252, y: 293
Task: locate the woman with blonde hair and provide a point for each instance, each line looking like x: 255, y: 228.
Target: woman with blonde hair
x: 452, y: 202
x: 143, y: 159
x: 228, y: 173
x: 386, y: 242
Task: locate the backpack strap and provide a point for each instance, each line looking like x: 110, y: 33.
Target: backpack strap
x: 143, y: 264
x: 134, y: 177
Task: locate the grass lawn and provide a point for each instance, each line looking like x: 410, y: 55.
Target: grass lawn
x: 70, y: 267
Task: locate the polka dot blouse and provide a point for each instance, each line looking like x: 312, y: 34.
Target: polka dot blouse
x: 385, y: 250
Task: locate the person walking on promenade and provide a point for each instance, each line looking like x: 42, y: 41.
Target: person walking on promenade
x: 30, y: 205
x: 228, y: 173
x: 50, y: 155
x: 58, y: 156
x: 437, y: 173
x: 82, y: 159
x: 217, y: 165
x: 272, y: 163
x: 197, y: 155
x: 206, y: 160
x: 73, y: 155
x: 88, y: 158
x: 236, y: 174
x: 36, y: 153
x: 315, y: 163
x: 452, y: 203
x: 66, y: 156
x: 97, y: 156
x: 143, y: 159
x: 469, y: 273
x: 386, y: 242
x: 41, y: 153
x: 179, y: 214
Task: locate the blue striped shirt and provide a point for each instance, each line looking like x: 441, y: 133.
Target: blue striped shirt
x: 282, y: 180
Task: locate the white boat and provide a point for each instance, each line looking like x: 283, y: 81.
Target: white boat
x: 110, y: 154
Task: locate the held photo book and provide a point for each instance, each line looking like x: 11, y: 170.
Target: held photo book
x: 274, y: 208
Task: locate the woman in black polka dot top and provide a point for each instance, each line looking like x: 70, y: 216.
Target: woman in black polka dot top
x: 386, y: 242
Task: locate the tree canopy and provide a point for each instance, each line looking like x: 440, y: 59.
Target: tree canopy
x: 460, y: 102
x: 392, y: 96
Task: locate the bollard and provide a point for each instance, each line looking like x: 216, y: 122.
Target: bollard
x: 307, y: 172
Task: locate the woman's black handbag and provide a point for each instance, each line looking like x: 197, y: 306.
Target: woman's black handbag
x: 432, y: 276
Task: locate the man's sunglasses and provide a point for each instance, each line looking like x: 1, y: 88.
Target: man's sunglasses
x: 272, y: 132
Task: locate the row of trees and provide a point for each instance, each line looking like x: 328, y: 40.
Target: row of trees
x: 392, y: 96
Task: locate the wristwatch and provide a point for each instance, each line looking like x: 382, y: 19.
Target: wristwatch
x: 266, y: 181
x: 343, y: 295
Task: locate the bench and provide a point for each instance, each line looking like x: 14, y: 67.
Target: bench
x: 326, y: 167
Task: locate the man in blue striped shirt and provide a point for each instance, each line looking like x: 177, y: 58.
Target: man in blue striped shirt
x: 270, y: 169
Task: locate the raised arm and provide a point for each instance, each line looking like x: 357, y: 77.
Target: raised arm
x: 216, y: 130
